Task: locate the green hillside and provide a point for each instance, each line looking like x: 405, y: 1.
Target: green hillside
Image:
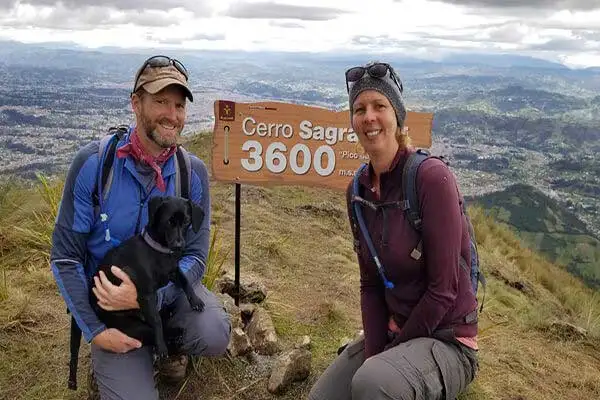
x: 548, y: 227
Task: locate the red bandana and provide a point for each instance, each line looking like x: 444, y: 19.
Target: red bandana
x: 134, y: 147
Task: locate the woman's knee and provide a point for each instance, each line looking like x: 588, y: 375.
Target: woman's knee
x: 377, y: 379
x: 335, y: 382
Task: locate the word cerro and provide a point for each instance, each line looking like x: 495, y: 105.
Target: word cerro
x: 331, y: 135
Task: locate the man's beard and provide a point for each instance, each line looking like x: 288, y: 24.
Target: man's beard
x: 152, y: 134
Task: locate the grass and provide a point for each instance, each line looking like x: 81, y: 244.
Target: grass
x: 298, y: 243
x: 27, y: 224
x: 217, y: 255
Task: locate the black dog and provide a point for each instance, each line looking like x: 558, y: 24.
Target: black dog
x: 150, y: 259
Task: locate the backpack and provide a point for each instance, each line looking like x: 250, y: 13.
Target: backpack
x: 410, y: 205
x: 106, y: 155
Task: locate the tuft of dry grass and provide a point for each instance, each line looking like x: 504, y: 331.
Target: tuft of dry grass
x: 217, y: 255
x: 26, y: 229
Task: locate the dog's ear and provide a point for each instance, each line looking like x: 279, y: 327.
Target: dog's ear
x: 153, y: 206
x: 197, y: 214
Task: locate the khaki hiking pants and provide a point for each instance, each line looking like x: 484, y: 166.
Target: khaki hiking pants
x: 420, y: 369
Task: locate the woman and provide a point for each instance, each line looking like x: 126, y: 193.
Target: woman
x: 420, y: 336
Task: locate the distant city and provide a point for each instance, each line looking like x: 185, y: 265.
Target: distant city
x: 500, y: 120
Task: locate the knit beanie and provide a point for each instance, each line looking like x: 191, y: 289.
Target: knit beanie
x: 385, y: 86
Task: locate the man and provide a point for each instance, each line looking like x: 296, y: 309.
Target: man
x: 145, y: 166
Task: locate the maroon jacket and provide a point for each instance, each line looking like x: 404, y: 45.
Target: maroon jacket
x: 430, y: 294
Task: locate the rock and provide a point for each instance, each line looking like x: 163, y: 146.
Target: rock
x: 231, y: 309
x: 325, y: 209
x: 304, y: 343
x: 239, y: 344
x: 520, y: 286
x: 261, y: 332
x: 251, y: 290
x: 253, y: 358
x: 225, y: 284
x: 567, y: 331
x: 289, y: 367
x: 255, y: 292
x: 247, y: 310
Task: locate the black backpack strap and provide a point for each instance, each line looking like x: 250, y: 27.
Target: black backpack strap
x: 353, y: 195
x: 481, y: 278
x: 74, y: 347
x: 410, y: 197
x: 409, y: 187
x: 184, y: 168
x: 107, y: 149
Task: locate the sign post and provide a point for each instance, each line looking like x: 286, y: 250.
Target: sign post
x: 273, y: 143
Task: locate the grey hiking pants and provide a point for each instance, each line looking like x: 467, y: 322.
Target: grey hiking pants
x: 420, y: 369
x: 130, y: 376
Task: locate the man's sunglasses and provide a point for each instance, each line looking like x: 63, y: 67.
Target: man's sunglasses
x: 376, y: 70
x: 161, y: 62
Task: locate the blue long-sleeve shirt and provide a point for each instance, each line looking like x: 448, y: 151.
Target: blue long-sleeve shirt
x: 78, y: 240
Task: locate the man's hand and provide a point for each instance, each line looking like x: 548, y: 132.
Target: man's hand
x: 115, y: 341
x: 112, y: 297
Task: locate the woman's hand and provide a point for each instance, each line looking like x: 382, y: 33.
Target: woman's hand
x: 393, y: 327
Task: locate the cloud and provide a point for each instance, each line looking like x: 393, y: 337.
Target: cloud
x: 287, y: 25
x: 63, y: 18
x: 270, y: 10
x: 146, y: 18
x: 589, y: 34
x: 584, y: 5
x: 7, y: 4
x: 198, y: 7
x: 575, y: 44
x: 510, y: 32
x: 170, y: 37
x: 514, y: 34
x: 179, y: 41
x: 566, y: 25
x: 207, y: 36
x: 429, y: 42
x: 387, y: 42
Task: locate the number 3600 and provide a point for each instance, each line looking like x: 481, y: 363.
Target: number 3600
x: 276, y: 151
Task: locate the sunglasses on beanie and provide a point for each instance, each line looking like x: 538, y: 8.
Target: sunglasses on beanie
x: 376, y: 70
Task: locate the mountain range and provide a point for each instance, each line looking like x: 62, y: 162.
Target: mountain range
x: 503, y: 121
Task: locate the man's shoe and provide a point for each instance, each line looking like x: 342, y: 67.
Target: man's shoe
x: 92, y: 387
x: 173, y: 369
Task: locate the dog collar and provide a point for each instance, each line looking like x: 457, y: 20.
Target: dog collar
x: 154, y: 244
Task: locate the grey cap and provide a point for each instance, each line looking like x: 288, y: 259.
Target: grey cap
x: 385, y: 86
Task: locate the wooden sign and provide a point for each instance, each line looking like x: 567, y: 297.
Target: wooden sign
x: 281, y: 143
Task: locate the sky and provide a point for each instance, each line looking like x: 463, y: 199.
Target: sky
x: 566, y: 31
